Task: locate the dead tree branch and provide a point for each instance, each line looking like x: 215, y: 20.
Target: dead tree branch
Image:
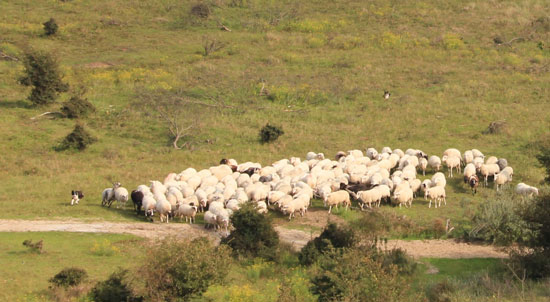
x: 5, y: 56
x: 176, y: 129
x: 47, y: 113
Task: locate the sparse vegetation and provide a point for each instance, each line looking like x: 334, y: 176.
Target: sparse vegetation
x: 115, y: 288
x: 50, y: 27
x: 77, y: 107
x: 67, y: 277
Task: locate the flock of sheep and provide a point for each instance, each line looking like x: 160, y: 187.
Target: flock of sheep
x: 289, y: 185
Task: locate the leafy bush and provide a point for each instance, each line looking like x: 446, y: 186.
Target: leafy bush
x: 332, y: 237
x: 77, y: 107
x: 398, y: 258
x: 71, y: 276
x: 177, y: 270
x: 254, y: 234
x: 533, y: 256
x: 78, y: 139
x: 352, y: 275
x: 42, y: 72
x: 270, y: 133
x: 499, y: 220
x: 115, y: 288
x: 50, y: 27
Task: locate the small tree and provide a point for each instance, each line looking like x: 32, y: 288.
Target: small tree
x: 178, y: 270
x: 544, y: 160
x: 254, y: 234
x: 42, y: 73
x: 78, y: 139
x: 270, y: 133
x: 50, y: 27
x: 77, y: 107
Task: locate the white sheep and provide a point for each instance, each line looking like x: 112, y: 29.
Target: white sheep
x: 210, y: 220
x: 435, y: 162
x: 148, y: 205
x: 164, y: 208
x: 469, y: 170
x: 452, y: 161
x: 489, y: 170
x: 438, y: 179
x: 526, y: 190
x: 502, y: 178
x: 452, y: 152
x: 107, y: 196
x: 436, y: 194
x: 336, y: 198
x: 186, y: 210
x: 404, y: 196
x: 368, y: 197
x: 468, y: 156
x: 423, y: 163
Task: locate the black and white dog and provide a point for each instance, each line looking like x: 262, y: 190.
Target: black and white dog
x: 77, y: 195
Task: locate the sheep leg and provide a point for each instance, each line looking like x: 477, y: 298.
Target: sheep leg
x: 430, y: 205
x: 329, y: 209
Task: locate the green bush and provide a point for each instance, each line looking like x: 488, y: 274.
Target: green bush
x: 499, y: 220
x: 178, y: 270
x: 200, y: 10
x: 50, y: 27
x: 352, y: 275
x: 42, y: 73
x: 71, y: 276
x: 77, y: 107
x: 332, y: 237
x: 270, y: 133
x: 533, y: 254
x: 398, y: 258
x: 78, y: 139
x: 115, y: 288
x: 254, y: 235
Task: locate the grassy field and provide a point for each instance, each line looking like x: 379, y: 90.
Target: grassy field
x: 25, y: 273
x: 323, y: 66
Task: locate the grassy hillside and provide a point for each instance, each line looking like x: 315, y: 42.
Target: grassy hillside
x: 323, y: 66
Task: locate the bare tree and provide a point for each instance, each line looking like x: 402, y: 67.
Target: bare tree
x: 177, y: 125
x: 211, y: 45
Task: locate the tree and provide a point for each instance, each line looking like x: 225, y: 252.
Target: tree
x: 42, y: 73
x: 78, y: 139
x: 254, y: 234
x: 178, y: 270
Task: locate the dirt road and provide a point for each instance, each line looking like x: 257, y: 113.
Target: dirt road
x: 415, y: 248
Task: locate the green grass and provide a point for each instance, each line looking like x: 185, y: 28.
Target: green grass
x: 25, y: 273
x: 461, y: 268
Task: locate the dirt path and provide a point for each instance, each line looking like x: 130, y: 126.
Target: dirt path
x: 297, y: 238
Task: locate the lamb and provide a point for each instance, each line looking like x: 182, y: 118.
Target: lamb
x: 76, y: 196
x: 404, y: 196
x: 489, y: 170
x: 526, y: 190
x: 452, y: 162
x: 336, y: 198
x: 436, y: 193
x: 435, y: 162
x: 186, y: 210
x: 120, y: 195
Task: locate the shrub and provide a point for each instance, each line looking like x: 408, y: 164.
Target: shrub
x: 50, y: 27
x: 78, y: 139
x: 270, y: 133
x: 200, y: 10
x: 115, y: 288
x: 332, y: 237
x: 178, y: 270
x: 352, y: 275
x: 42, y: 72
x: 533, y: 256
x: 77, y: 107
x: 398, y: 258
x: 254, y: 234
x: 71, y: 276
x: 441, y: 292
x: 499, y: 220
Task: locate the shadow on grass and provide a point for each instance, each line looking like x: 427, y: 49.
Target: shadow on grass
x: 15, y: 104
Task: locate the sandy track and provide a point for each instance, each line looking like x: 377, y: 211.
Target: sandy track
x: 297, y: 238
